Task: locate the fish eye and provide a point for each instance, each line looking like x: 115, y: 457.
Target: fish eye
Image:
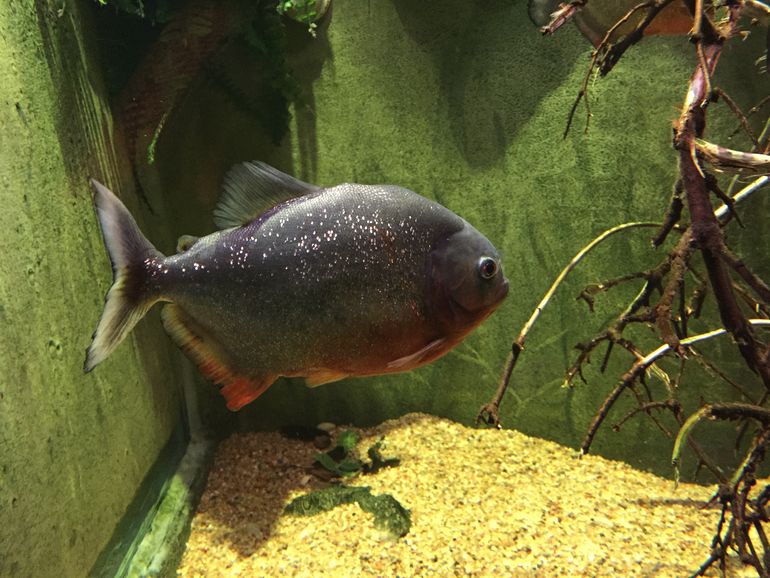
x: 487, y: 267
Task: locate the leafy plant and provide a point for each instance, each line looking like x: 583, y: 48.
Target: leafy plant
x: 343, y: 462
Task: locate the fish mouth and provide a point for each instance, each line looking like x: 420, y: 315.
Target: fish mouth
x: 502, y: 292
x: 499, y: 296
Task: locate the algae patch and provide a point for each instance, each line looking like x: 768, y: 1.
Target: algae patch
x: 388, y: 513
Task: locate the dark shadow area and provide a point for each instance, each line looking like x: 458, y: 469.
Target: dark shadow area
x: 665, y: 502
x: 237, y: 110
x: 493, y: 77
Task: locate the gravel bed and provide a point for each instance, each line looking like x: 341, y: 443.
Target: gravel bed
x: 483, y: 503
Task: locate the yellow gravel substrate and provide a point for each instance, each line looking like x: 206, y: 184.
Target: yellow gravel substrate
x: 483, y: 503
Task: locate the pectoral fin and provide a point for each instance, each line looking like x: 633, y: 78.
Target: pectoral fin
x: 414, y: 359
x: 212, y: 361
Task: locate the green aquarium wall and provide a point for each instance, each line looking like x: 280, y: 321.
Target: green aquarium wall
x: 462, y: 101
x: 74, y: 448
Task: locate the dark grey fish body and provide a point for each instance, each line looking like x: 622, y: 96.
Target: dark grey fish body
x: 349, y: 280
x: 342, y: 270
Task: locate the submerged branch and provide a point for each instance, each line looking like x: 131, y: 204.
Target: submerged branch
x: 489, y: 413
x: 562, y: 15
x: 608, y: 53
x: 637, y: 369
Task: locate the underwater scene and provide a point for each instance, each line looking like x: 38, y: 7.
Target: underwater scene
x: 385, y: 288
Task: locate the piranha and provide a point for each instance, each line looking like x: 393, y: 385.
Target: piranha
x: 598, y: 16
x: 302, y: 281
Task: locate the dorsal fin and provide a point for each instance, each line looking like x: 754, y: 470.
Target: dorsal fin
x: 250, y: 189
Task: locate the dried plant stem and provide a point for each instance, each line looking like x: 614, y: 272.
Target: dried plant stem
x: 731, y: 160
x: 724, y: 211
x: 733, y: 106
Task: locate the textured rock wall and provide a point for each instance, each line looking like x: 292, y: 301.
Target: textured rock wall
x: 74, y: 448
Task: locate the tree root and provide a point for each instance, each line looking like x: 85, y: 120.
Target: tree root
x: 741, y: 297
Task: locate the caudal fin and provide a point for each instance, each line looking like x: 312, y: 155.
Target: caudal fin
x: 130, y: 296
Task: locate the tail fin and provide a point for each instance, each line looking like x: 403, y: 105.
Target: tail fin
x: 130, y: 297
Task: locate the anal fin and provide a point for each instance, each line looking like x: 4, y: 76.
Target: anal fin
x: 212, y: 362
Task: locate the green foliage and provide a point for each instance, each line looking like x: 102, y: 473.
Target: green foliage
x: 343, y: 462
x: 388, y: 512
x: 344, y: 468
x: 265, y: 36
x: 378, y: 462
x: 348, y: 440
x: 304, y: 11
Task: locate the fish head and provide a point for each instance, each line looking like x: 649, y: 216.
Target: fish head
x: 466, y: 279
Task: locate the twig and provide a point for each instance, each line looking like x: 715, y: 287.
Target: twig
x: 562, y: 15
x: 607, y: 54
x: 646, y: 407
x: 723, y: 212
x: 751, y: 279
x: 679, y: 264
x: 732, y: 105
x: 673, y: 214
x: 613, y: 334
x: 613, y: 52
x: 728, y: 411
x: 714, y: 370
x: 588, y: 292
x: 708, y: 93
x: 713, y: 186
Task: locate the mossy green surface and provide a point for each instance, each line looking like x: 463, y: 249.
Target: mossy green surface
x: 389, y: 514
x: 466, y: 103
x: 74, y: 448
